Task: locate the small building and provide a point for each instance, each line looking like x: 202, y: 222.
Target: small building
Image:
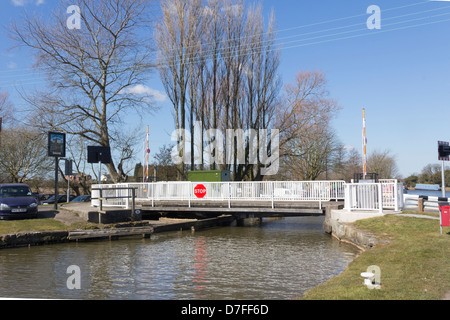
x: 209, y: 176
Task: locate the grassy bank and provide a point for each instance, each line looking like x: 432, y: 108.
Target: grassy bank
x: 414, y: 263
x: 48, y: 224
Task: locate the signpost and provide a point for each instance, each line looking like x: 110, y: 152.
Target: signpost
x: 444, y: 155
x: 56, y: 148
x: 68, y: 173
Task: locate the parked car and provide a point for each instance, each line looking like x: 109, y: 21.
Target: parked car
x: 17, y: 201
x: 44, y: 196
x: 61, y: 198
x: 85, y: 198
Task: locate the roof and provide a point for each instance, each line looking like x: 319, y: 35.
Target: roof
x: 14, y: 185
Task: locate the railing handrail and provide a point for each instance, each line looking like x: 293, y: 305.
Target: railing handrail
x: 362, y: 196
x: 101, y: 198
x: 317, y: 191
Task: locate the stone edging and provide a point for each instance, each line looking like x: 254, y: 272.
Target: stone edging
x: 31, y: 238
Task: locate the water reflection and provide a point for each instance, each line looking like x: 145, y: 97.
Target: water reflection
x: 200, y: 264
x: 275, y: 260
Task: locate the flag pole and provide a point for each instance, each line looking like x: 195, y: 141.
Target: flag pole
x: 364, y: 141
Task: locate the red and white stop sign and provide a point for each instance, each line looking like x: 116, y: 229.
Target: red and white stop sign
x: 200, y: 191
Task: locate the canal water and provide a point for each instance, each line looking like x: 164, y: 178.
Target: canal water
x: 278, y: 259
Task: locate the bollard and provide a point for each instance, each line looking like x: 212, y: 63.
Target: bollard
x: 420, y: 205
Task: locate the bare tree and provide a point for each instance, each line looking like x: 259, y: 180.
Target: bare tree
x: 347, y: 162
x: 383, y: 163
x: 311, y: 156
x: 307, y: 139
x: 262, y: 85
x: 6, y: 109
x: 23, y: 155
x: 90, y: 71
x: 218, y: 64
x: 177, y: 39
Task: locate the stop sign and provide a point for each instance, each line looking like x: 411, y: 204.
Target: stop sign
x: 200, y: 191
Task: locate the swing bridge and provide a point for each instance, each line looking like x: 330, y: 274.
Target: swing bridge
x: 249, y: 199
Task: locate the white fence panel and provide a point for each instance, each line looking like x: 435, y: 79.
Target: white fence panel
x: 373, y: 196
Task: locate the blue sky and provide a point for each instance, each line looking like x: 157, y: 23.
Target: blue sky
x: 400, y: 73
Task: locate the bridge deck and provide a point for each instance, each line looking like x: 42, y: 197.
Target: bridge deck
x: 240, y: 209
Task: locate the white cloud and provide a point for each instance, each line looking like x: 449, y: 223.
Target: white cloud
x: 140, y: 89
x: 18, y: 3
x: 21, y: 3
x: 11, y: 65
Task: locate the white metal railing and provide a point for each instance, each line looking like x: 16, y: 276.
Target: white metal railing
x: 430, y: 203
x: 373, y: 196
x: 225, y: 191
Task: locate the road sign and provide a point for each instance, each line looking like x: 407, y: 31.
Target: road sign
x: 68, y: 167
x: 200, y: 191
x: 443, y: 150
x: 98, y: 154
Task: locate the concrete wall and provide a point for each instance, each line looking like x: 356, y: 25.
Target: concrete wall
x: 338, y: 223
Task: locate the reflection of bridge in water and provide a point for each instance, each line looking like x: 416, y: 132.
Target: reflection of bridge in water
x: 249, y: 199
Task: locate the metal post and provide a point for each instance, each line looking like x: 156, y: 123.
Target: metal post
x: 347, y: 197
x: 55, y: 206
x: 395, y: 196
x: 273, y: 191
x: 133, y: 204
x: 190, y: 191
x: 99, y: 172
x: 100, y: 198
x: 443, y: 180
x: 153, y: 194
x: 229, y: 196
x: 127, y: 199
x: 380, y: 198
x: 68, y: 189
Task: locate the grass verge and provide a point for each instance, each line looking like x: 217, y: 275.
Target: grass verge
x: 47, y: 224
x: 414, y: 263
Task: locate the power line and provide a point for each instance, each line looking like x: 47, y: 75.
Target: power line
x: 291, y: 43
x: 294, y: 28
